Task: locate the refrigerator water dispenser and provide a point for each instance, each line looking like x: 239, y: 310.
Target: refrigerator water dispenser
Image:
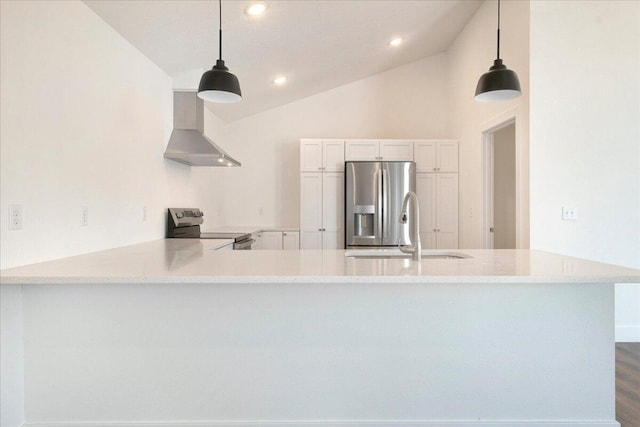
x: 364, y: 220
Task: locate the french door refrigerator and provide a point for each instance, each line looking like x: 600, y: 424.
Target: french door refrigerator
x: 374, y: 192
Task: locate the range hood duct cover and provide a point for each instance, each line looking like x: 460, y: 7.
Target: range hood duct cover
x: 187, y: 144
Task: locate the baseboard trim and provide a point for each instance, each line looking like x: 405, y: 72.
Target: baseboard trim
x: 334, y: 424
x: 628, y: 333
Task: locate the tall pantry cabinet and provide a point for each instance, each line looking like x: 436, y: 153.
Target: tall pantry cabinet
x: 321, y: 194
x: 437, y: 191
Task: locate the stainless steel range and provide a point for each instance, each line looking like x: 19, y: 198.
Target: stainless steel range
x: 185, y: 223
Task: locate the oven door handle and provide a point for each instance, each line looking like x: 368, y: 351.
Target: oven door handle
x: 244, y: 245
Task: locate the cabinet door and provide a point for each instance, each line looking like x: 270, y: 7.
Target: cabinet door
x: 426, y: 192
x: 311, y: 210
x: 272, y: 240
x: 401, y: 151
x: 333, y: 155
x: 333, y: 210
x: 447, y: 210
x: 425, y: 156
x: 447, y: 156
x: 311, y: 239
x: 361, y: 149
x: 310, y: 155
x: 290, y: 240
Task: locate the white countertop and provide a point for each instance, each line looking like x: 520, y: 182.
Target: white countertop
x: 216, y: 244
x: 197, y: 261
x: 248, y: 229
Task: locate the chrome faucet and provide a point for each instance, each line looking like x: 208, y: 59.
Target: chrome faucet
x: 415, y: 247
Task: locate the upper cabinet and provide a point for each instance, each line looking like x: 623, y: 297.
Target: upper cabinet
x: 361, y: 149
x: 436, y: 155
x: 372, y: 150
x: 321, y: 155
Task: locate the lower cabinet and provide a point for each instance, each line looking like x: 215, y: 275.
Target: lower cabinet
x: 290, y: 240
x: 322, y: 210
x: 438, y: 197
x: 280, y: 240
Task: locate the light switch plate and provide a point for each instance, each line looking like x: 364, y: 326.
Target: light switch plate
x: 84, y: 216
x: 569, y: 214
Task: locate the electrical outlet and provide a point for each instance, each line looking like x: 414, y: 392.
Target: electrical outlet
x: 260, y: 211
x: 84, y: 216
x: 15, y: 217
x: 569, y: 214
x: 144, y: 213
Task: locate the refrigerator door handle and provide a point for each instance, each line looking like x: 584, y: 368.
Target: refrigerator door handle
x: 379, y: 202
x: 385, y: 203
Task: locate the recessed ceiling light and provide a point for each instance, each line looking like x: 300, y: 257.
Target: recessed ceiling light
x: 256, y: 9
x: 280, y: 80
x: 396, y: 42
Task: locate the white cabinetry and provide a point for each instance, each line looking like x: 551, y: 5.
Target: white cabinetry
x: 321, y: 210
x: 290, y: 240
x: 372, y: 150
x: 277, y: 240
x: 437, y: 190
x: 271, y: 240
x: 438, y: 197
x: 321, y: 194
x: 321, y: 155
x: 322, y: 187
x: 398, y: 150
x: 436, y: 155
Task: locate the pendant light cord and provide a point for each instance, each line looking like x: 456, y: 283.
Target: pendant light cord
x: 220, y: 29
x: 498, y: 29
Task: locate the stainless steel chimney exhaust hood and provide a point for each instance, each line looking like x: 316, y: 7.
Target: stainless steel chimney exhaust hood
x: 188, y: 144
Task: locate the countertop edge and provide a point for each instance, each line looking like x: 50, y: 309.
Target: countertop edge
x: 313, y: 280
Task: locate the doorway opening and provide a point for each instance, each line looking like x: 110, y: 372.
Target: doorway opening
x: 502, y: 184
x: 501, y: 187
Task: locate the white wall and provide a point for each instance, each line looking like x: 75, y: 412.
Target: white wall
x: 585, y: 137
x: 468, y: 58
x: 405, y: 102
x: 85, y: 120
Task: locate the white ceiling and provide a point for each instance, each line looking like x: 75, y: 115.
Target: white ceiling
x: 318, y: 45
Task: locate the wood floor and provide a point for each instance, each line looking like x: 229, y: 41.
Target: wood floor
x: 628, y: 384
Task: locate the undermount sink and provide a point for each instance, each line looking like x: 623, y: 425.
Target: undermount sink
x: 396, y: 253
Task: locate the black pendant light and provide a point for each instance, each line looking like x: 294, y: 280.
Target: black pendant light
x: 500, y: 83
x: 218, y: 84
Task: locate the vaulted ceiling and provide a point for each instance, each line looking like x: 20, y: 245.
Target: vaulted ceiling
x: 317, y: 45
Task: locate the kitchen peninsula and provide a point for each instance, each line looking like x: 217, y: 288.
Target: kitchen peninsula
x: 175, y: 332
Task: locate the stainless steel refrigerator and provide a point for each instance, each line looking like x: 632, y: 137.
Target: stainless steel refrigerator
x: 374, y: 192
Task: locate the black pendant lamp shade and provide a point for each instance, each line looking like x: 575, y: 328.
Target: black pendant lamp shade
x: 218, y: 84
x: 500, y: 83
